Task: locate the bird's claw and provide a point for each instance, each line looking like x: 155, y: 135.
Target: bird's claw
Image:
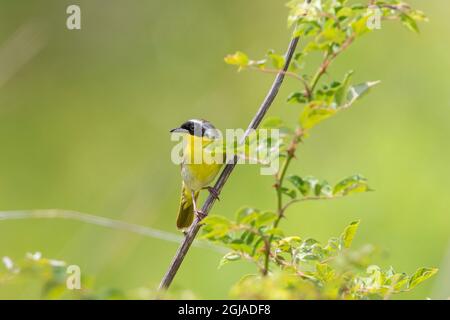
x: 200, y: 214
x: 213, y: 192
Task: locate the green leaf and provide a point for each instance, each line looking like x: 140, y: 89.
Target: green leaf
x: 309, y: 242
x: 349, y: 233
x: 240, y: 245
x: 247, y: 237
x: 302, y: 185
x: 250, y: 218
x: 266, y: 218
x: 289, y: 192
x: 302, y: 12
x: 376, y: 277
x: 332, y: 245
x: 297, y: 97
x: 341, y: 93
x: 324, y: 272
x: 239, y: 58
x: 245, y: 213
x: 360, y: 26
x: 323, y: 189
x: 418, y: 15
x: 331, y: 34
x: 215, y: 220
x: 358, y: 91
x: 216, y: 227
x: 286, y: 244
x: 358, y: 6
x: 409, y: 22
x: 272, y: 123
x: 275, y: 232
x: 276, y: 59
x: 397, y: 280
x: 354, y: 184
x: 344, y: 12
x: 314, y: 113
x: 325, y: 95
x: 230, y: 256
x: 309, y: 257
x: 421, y: 275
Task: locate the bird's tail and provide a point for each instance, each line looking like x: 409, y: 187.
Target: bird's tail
x: 186, y: 211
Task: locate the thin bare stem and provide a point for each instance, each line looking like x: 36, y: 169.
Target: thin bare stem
x: 226, y: 172
x: 279, y: 189
x: 287, y: 73
x: 328, y: 59
x: 310, y: 198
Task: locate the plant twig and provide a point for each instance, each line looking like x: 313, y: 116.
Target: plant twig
x: 287, y: 73
x: 287, y: 205
x: 328, y: 60
x: 278, y: 186
x: 195, y: 227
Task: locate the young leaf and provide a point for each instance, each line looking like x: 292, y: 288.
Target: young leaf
x: 272, y: 123
x: 243, y: 213
x: 289, y: 192
x: 302, y: 185
x: 324, y: 272
x: 349, y: 233
x: 216, y: 227
x: 323, y: 189
x: 332, y: 245
x: 239, y: 245
x: 421, y: 275
x: 330, y: 35
x: 314, y: 113
x: 418, y: 16
x: 215, y: 220
x: 286, y: 244
x: 277, y: 232
x: 353, y: 184
x: 409, y: 22
x: 297, y: 97
x: 360, y: 26
x: 230, y: 256
x: 266, y: 218
x: 341, y: 93
x: 357, y: 91
x: 239, y: 58
x: 344, y: 12
x: 276, y: 59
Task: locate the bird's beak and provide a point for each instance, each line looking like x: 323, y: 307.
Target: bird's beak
x: 178, y: 130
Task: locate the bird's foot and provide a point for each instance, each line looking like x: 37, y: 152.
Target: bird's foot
x: 213, y: 192
x: 200, y: 215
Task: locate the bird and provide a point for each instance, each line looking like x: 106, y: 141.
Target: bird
x: 199, y: 167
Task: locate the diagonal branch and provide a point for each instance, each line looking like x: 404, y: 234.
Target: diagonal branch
x: 195, y: 227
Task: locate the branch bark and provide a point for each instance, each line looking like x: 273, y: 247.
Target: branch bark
x: 196, y: 225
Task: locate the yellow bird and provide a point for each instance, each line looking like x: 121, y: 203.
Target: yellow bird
x: 199, y: 167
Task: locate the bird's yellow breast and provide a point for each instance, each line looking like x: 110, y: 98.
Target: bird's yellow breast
x: 199, y: 167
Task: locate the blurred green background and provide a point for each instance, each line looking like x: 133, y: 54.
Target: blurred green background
x: 84, y: 120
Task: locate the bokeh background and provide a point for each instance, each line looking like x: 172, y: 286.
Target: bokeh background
x: 84, y: 120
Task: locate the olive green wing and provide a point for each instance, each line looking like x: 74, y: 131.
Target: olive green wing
x: 186, y: 211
